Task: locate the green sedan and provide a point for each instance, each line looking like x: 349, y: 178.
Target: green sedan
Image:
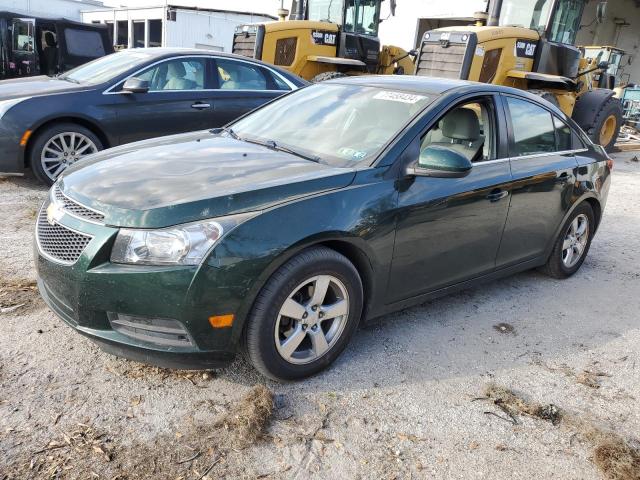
x: 340, y: 202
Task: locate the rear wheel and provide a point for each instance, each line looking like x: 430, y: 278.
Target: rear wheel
x: 321, y: 77
x: 572, y: 245
x: 58, y: 146
x: 606, y: 124
x: 304, y: 316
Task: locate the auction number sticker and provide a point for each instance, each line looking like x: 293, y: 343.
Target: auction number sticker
x: 398, y: 97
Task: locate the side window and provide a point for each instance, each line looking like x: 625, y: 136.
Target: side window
x: 234, y: 75
x: 533, y: 129
x: 22, y: 36
x: 84, y: 43
x: 178, y: 74
x: 563, y: 135
x: 279, y: 83
x: 468, y: 129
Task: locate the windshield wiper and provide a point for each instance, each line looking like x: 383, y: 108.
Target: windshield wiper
x: 229, y: 130
x: 281, y: 148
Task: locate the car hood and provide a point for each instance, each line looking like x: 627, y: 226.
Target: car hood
x: 34, y: 86
x: 189, y: 177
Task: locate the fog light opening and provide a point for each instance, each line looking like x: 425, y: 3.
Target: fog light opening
x: 160, y: 331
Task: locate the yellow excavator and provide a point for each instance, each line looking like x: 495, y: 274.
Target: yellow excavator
x: 325, y: 39
x: 528, y: 45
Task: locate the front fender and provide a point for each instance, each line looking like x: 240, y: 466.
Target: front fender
x: 361, y: 216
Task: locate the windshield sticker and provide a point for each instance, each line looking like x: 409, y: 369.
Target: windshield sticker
x: 351, y: 153
x: 398, y: 97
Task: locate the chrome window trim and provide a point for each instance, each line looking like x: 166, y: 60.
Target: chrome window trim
x: 291, y: 85
x: 49, y: 257
x: 548, y: 154
x: 52, y: 199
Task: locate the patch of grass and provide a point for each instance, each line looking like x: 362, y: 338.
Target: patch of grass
x: 616, y: 458
x: 247, y: 421
x: 18, y: 295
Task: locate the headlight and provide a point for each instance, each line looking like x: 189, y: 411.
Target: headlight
x: 180, y: 245
x: 5, y: 105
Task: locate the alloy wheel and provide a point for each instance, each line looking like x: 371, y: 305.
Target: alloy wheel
x: 63, y: 150
x: 575, y: 240
x: 312, y: 319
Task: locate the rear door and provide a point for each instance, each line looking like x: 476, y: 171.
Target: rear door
x: 544, y: 169
x: 243, y: 86
x: 180, y: 99
x: 24, y: 60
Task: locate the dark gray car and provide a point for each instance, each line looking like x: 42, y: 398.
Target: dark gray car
x: 48, y: 123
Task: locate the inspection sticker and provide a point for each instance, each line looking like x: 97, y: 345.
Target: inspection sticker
x: 398, y: 97
x: 351, y: 153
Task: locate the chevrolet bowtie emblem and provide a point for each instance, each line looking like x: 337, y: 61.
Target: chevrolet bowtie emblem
x: 54, y: 213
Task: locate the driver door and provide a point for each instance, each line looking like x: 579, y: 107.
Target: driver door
x: 449, y: 229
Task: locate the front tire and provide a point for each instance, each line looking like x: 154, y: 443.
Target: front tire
x: 573, y: 243
x: 58, y: 146
x: 304, y: 316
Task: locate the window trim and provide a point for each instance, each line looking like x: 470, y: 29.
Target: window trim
x: 109, y: 90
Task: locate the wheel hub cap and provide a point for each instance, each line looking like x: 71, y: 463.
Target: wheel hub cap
x: 575, y: 241
x: 64, y: 149
x: 312, y: 319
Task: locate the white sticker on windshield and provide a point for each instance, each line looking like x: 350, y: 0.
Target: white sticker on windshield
x: 398, y: 97
x: 351, y: 153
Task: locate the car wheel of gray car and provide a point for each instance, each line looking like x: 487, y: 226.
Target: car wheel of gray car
x: 57, y: 147
x: 305, y: 315
x: 572, y: 245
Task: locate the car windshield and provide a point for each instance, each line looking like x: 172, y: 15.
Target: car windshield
x: 333, y: 123
x: 525, y: 13
x: 105, y: 68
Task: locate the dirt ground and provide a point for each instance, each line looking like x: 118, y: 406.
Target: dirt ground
x: 406, y: 400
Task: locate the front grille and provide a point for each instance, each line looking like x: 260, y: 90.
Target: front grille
x: 75, y: 208
x: 58, y: 242
x: 439, y: 61
x: 244, y: 44
x: 285, y: 51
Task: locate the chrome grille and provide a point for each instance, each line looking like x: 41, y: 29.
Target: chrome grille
x: 74, y: 208
x: 438, y: 61
x: 58, y: 242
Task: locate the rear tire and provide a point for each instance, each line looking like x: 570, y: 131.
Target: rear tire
x: 322, y: 77
x: 48, y: 157
x: 571, y: 246
x: 606, y: 124
x: 287, y: 308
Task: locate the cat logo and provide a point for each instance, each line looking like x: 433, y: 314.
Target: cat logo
x: 54, y: 213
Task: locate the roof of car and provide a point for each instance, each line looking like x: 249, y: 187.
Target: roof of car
x: 419, y: 84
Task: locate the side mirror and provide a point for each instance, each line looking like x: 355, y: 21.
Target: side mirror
x: 603, y: 65
x: 442, y: 162
x: 601, y: 12
x: 135, y: 85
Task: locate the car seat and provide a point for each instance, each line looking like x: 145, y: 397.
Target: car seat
x: 460, y: 131
x: 177, y: 81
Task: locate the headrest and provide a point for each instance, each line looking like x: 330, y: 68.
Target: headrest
x: 177, y: 69
x: 461, y: 124
x: 49, y: 39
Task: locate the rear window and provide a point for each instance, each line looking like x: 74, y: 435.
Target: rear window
x: 83, y: 43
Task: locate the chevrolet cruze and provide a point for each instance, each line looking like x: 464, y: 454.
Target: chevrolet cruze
x: 343, y: 201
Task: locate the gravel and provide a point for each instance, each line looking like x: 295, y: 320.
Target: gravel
x: 401, y: 402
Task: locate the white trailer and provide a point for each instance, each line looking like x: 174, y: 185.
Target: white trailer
x: 173, y: 26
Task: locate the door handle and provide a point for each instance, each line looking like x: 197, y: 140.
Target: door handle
x: 496, y: 195
x: 201, y: 105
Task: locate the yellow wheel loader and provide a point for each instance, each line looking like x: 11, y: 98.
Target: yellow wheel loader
x: 325, y: 39
x: 528, y: 45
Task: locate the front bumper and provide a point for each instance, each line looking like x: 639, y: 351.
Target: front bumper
x: 88, y: 292
x: 11, y: 153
